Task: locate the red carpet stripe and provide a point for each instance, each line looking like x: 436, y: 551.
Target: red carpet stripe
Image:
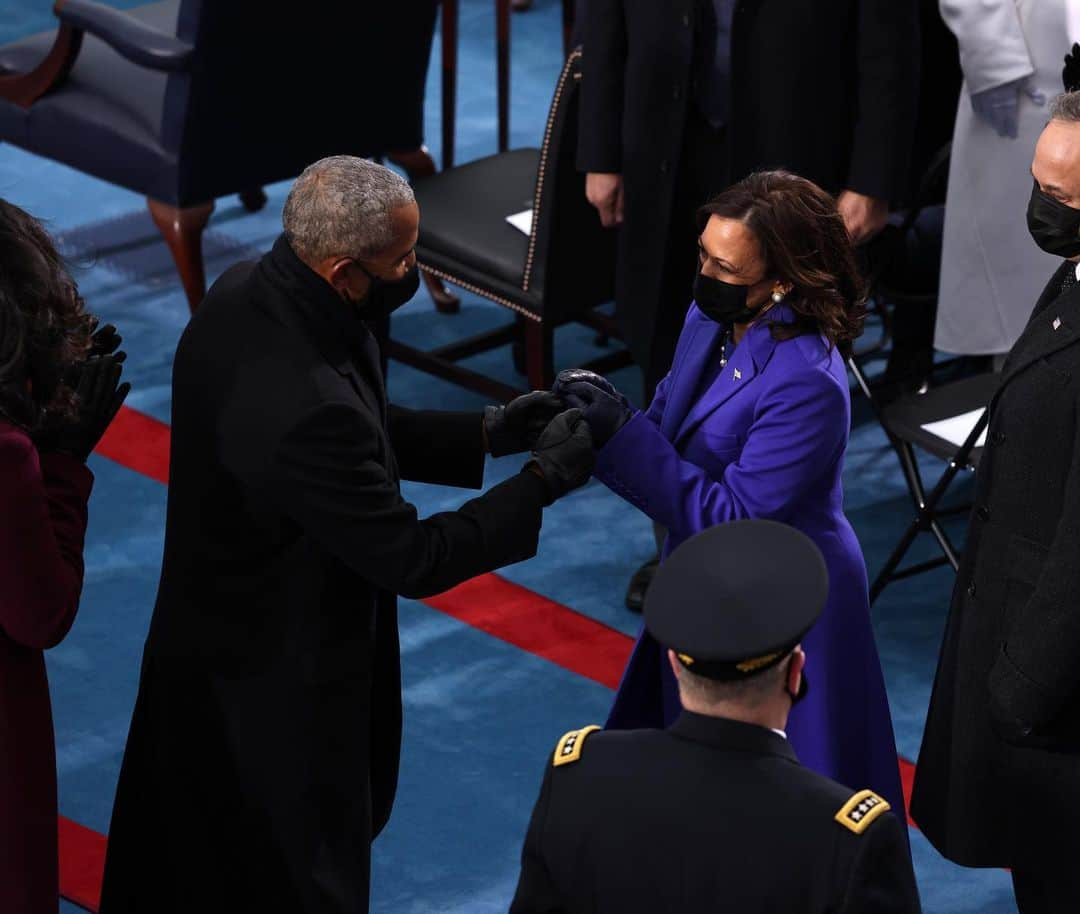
x: 82, y: 863
x: 489, y: 603
x: 540, y: 626
x: 138, y: 442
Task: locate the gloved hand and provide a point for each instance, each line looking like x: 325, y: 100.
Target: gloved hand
x: 104, y: 341
x: 563, y: 455
x: 99, y: 397
x: 605, y: 409
x: 515, y: 427
x: 1000, y: 106
x: 581, y: 375
x: 1070, y: 75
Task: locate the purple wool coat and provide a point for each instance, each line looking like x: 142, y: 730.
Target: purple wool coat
x: 764, y: 438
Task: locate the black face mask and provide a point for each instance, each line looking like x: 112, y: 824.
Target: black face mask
x: 1054, y: 226
x: 385, y: 296
x: 723, y: 302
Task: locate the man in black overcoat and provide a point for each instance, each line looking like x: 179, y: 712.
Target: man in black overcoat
x: 716, y: 813
x: 682, y: 98
x: 998, y: 778
x: 263, y: 753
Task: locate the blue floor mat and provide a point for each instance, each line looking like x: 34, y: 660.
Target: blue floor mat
x: 481, y: 716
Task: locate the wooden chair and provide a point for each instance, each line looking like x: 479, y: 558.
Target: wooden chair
x: 185, y: 101
x: 559, y: 272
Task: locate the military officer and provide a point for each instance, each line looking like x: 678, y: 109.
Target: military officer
x: 716, y: 811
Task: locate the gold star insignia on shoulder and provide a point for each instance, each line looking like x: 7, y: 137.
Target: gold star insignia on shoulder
x: 569, y: 748
x: 858, y: 813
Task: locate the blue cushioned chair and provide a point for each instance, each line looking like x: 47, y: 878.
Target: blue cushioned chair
x: 185, y: 101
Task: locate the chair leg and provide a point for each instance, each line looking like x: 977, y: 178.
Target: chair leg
x: 539, y: 355
x: 182, y: 230
x: 502, y: 54
x: 449, y: 78
x: 568, y: 14
x: 418, y: 163
x: 898, y: 553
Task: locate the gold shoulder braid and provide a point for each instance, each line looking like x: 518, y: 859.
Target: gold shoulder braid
x: 858, y: 813
x: 569, y: 748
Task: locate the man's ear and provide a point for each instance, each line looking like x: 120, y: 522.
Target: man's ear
x: 795, y: 670
x: 339, y: 273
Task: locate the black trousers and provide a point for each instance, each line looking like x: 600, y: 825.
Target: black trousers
x: 702, y: 173
x: 1050, y: 891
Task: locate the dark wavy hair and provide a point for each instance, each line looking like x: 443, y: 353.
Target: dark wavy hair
x: 804, y: 242
x: 44, y: 327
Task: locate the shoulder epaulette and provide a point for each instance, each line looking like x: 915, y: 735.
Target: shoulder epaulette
x: 861, y: 810
x: 569, y: 748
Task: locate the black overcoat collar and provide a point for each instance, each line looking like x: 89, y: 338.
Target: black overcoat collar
x: 1054, y: 324
x: 340, y: 334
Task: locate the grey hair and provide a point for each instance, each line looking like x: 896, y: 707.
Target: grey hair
x: 751, y: 692
x: 340, y: 207
x: 1066, y: 107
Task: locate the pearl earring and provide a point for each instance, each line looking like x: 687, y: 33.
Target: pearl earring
x: 777, y: 297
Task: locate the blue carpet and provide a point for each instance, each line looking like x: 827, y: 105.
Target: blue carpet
x: 481, y: 716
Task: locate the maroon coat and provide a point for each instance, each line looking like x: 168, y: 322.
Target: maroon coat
x: 42, y: 525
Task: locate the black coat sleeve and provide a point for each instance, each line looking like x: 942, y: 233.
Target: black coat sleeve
x: 536, y: 892
x: 1036, y: 671
x: 325, y: 474
x: 881, y: 879
x: 887, y: 91
x: 444, y: 448
x: 603, y: 35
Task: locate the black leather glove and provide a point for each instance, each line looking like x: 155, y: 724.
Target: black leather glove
x: 99, y: 397
x: 1070, y: 75
x: 605, y: 413
x: 563, y: 454
x: 514, y: 428
x: 104, y: 341
x: 581, y: 375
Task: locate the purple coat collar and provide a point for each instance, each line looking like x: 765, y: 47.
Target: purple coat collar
x: 685, y: 411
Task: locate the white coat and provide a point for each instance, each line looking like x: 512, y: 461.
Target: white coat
x: 991, y: 271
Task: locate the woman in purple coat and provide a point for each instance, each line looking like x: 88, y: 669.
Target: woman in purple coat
x: 752, y: 422
x: 54, y: 406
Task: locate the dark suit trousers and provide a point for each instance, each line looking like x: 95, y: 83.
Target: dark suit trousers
x: 1049, y: 891
x: 702, y: 173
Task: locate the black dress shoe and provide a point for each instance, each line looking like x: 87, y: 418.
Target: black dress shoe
x: 639, y: 585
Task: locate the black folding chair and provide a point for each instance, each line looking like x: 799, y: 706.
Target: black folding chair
x: 903, y: 421
x: 558, y: 273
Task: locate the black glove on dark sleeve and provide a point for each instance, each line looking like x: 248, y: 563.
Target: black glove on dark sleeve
x: 514, y: 428
x: 605, y: 413
x: 99, y: 397
x: 571, y: 376
x: 564, y: 454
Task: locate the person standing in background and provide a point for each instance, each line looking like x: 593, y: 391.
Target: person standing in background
x: 1010, y: 53
x: 998, y: 776
x: 682, y: 98
x: 55, y: 404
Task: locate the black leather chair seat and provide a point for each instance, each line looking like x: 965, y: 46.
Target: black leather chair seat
x: 463, y: 227
x: 906, y: 417
x: 106, y: 119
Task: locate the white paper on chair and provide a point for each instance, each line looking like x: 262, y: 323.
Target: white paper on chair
x: 522, y: 221
x: 957, y: 429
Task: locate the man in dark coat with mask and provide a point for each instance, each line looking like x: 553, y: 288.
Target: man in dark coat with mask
x: 263, y: 753
x: 682, y: 98
x: 998, y: 779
